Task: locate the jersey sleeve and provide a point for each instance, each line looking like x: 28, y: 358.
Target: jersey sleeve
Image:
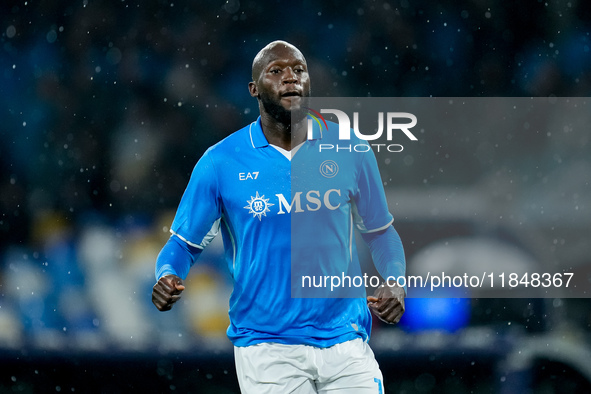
x: 197, y: 218
x: 370, y: 208
x: 387, y: 253
x: 176, y: 258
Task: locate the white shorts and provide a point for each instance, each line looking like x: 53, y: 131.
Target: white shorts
x: 346, y: 368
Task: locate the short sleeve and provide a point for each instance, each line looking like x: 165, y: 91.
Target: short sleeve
x: 197, y: 217
x: 370, y: 208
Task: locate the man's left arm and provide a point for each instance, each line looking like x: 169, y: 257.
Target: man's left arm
x: 388, y: 256
x: 374, y: 221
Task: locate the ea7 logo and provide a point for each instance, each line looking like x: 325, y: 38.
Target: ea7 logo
x: 243, y: 176
x: 345, y: 125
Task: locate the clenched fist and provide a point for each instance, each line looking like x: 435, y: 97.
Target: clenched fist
x: 387, y: 303
x: 167, y: 291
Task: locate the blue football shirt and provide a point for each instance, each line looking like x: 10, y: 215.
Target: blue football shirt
x: 275, y: 213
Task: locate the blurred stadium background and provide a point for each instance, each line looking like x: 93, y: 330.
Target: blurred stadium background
x: 107, y: 105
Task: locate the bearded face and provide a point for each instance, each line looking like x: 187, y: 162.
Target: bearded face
x: 275, y: 107
x: 282, y: 79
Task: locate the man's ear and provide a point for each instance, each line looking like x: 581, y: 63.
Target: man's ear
x: 252, y: 87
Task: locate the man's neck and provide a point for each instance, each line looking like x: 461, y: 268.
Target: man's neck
x: 282, y: 135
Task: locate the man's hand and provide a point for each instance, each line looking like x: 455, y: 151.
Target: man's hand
x: 167, y: 291
x: 387, y: 303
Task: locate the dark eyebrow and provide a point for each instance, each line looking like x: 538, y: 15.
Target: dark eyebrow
x: 282, y: 63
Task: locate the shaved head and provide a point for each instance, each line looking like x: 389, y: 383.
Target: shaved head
x: 279, y: 81
x: 268, y: 53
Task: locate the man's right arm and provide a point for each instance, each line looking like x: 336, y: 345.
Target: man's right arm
x: 195, y: 224
x: 172, y: 266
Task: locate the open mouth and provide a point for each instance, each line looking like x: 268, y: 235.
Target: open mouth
x: 291, y: 94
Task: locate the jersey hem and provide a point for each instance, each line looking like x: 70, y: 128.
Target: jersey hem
x: 319, y: 343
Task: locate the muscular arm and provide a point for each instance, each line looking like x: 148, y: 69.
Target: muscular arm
x: 388, y: 256
x: 172, y: 266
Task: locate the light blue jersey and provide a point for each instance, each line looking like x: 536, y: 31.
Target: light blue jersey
x: 273, y: 212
